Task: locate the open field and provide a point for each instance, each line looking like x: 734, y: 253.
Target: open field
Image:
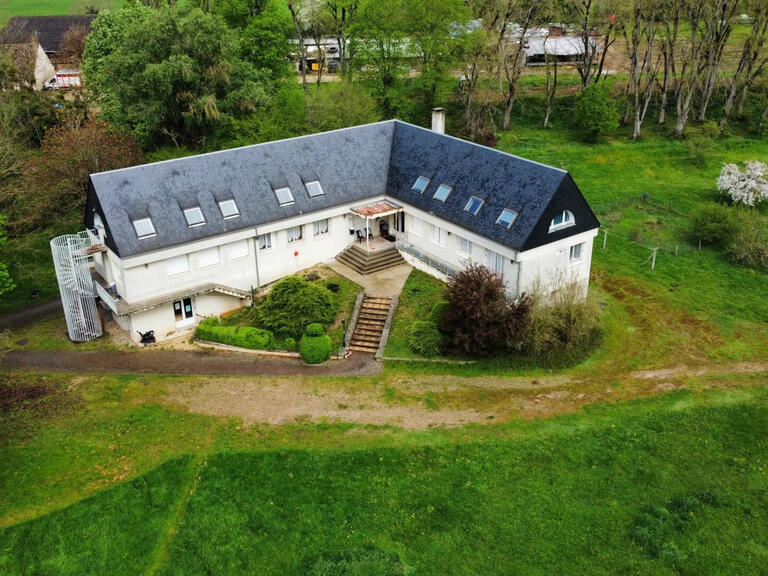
x: 10, y: 8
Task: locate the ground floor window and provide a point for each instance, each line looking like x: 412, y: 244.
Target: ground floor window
x: 465, y: 247
x: 496, y: 263
x: 438, y: 237
x: 265, y: 241
x: 182, y: 310
x: 295, y: 234
x: 416, y: 226
x: 576, y: 252
x: 238, y: 249
x: 320, y: 227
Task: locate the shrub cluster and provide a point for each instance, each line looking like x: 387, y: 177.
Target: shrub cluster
x: 242, y: 336
x: 738, y: 231
x: 294, y: 303
x: 315, y: 346
x: 425, y: 338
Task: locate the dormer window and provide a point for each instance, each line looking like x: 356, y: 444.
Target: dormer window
x: 144, y: 227
x: 314, y: 189
x: 229, y: 209
x: 284, y: 196
x: 506, y: 218
x: 194, y: 216
x: 442, y: 193
x: 562, y: 220
x: 473, y: 205
x: 421, y: 184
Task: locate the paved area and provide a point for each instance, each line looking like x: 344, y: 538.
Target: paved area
x: 192, y: 362
x: 386, y: 283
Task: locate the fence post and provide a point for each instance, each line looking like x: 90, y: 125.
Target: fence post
x: 605, y: 237
x: 675, y: 250
x: 653, y: 259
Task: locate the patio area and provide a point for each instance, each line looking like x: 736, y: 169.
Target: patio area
x: 385, y: 283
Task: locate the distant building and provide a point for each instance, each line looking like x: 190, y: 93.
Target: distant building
x: 566, y: 49
x: 46, y: 36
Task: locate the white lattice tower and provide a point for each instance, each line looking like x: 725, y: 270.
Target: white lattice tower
x: 72, y: 263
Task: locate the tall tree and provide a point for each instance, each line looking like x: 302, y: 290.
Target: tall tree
x: 718, y: 24
x: 595, y: 20
x: 690, y: 69
x: 343, y: 13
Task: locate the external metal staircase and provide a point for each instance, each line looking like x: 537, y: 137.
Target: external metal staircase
x: 370, y: 323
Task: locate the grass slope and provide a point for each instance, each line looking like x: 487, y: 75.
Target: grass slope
x: 10, y: 8
x: 675, y: 485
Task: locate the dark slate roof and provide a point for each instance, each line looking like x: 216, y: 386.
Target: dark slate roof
x: 49, y: 30
x: 352, y: 165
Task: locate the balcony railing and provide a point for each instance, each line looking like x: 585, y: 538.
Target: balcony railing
x: 439, y: 265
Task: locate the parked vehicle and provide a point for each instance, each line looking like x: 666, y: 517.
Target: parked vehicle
x: 64, y: 80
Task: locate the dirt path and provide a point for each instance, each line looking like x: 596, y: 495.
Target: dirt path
x: 186, y: 362
x: 28, y: 315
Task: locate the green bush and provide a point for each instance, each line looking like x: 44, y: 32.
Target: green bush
x: 294, y: 303
x: 437, y: 314
x: 315, y: 349
x: 714, y: 223
x: 314, y: 330
x: 425, y: 338
x: 289, y: 343
x: 242, y: 336
x: 595, y: 112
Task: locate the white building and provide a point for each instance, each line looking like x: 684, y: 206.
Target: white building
x: 179, y: 240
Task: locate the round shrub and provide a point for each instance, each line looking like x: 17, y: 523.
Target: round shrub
x: 289, y: 343
x: 314, y: 330
x: 425, y: 338
x: 714, y: 223
x: 315, y: 349
x: 293, y: 303
x: 595, y: 112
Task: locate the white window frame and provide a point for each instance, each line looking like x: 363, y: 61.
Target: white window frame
x: 568, y: 220
x: 197, y: 211
x: 443, y: 187
x: 438, y: 235
x: 290, y: 233
x: 421, y: 190
x: 177, y: 265
x: 317, y: 230
x: 238, y: 250
x: 496, y: 263
x: 417, y: 226
x: 267, y: 242
x: 512, y: 221
x: 579, y: 250
x: 461, y: 251
x: 205, y: 259
x: 228, y: 202
x: 476, y: 212
x: 289, y: 200
x: 140, y: 222
x: 314, y: 185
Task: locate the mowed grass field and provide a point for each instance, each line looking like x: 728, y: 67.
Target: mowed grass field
x: 10, y: 8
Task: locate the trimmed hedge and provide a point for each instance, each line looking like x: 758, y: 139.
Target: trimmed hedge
x: 315, y: 346
x: 242, y: 336
x: 425, y: 338
x: 293, y: 303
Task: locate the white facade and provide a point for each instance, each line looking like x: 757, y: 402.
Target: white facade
x: 169, y: 290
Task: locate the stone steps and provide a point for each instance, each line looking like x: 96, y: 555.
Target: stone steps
x: 363, y: 262
x: 370, y: 323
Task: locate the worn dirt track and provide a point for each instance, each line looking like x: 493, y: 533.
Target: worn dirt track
x: 184, y: 362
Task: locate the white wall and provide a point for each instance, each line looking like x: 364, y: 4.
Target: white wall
x: 44, y: 70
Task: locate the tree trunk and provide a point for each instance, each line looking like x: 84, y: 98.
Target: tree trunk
x: 302, y: 48
x: 551, y: 87
x: 764, y: 115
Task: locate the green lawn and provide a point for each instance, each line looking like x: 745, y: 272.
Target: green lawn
x: 9, y: 8
x: 673, y: 485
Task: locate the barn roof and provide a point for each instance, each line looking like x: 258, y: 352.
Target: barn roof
x: 49, y: 30
x: 351, y: 165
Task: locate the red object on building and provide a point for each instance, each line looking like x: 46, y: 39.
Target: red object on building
x: 295, y: 252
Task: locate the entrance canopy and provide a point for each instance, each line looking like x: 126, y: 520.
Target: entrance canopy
x: 377, y: 209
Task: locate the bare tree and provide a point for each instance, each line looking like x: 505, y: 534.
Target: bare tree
x: 294, y: 9
x: 589, y: 65
x: 343, y: 14
x: 670, y: 12
x: 718, y: 24
x: 551, y: 87
x: 690, y: 69
x: 646, y: 72
x: 73, y: 43
x: 751, y: 63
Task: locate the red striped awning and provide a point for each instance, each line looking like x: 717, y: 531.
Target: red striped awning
x: 377, y: 209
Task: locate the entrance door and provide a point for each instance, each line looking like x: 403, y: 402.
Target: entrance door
x: 182, y: 310
x: 400, y: 222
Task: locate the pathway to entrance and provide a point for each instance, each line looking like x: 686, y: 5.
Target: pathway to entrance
x: 386, y: 283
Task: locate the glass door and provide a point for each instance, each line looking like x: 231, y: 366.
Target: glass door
x: 182, y: 310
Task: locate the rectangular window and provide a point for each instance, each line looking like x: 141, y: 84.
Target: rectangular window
x: 438, y: 236
x: 194, y: 216
x: 238, y: 249
x: 576, y: 252
x: 465, y: 247
x: 209, y: 257
x: 182, y: 310
x: 284, y: 196
x: 442, y: 193
x: 421, y: 184
x: 473, y: 205
x: 417, y: 226
x: 295, y: 234
x: 506, y: 218
x: 314, y: 189
x: 496, y: 263
x: 229, y: 209
x: 265, y: 241
x: 144, y: 227
x: 320, y: 227
x: 177, y: 265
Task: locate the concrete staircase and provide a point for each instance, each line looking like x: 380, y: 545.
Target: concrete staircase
x: 370, y: 323
x: 363, y: 262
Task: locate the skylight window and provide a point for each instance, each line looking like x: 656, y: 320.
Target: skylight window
x: 194, y: 216
x: 473, y: 205
x: 284, y: 196
x: 506, y: 218
x: 442, y: 193
x: 144, y: 227
x: 229, y: 209
x: 421, y: 184
x: 314, y: 189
